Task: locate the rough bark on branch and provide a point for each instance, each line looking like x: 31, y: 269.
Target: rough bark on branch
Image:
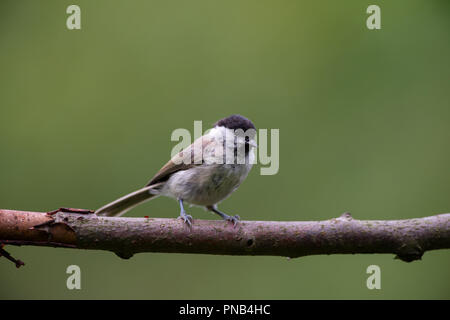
x: 408, y: 239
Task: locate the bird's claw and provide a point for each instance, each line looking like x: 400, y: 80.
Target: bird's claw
x: 187, y: 218
x: 234, y: 219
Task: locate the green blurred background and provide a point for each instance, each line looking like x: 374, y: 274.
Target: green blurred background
x: 363, y: 116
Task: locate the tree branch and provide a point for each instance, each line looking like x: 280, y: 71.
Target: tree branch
x: 81, y: 229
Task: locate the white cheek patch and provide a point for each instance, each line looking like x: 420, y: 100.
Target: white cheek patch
x: 229, y: 146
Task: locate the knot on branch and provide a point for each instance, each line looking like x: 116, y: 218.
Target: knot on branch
x: 124, y: 255
x: 57, y: 228
x: 410, y: 252
x: 346, y: 216
x: 56, y: 231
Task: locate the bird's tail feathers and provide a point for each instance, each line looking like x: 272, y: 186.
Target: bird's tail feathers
x: 128, y: 202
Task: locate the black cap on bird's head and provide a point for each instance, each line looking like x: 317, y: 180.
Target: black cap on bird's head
x: 235, y: 122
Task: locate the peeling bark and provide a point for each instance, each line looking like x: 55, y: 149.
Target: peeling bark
x: 81, y: 229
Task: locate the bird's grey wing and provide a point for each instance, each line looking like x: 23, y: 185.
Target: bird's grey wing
x: 189, y: 157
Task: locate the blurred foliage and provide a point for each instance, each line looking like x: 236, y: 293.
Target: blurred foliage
x: 363, y: 116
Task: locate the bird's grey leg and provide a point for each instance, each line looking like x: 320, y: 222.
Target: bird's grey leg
x: 234, y: 219
x: 186, y: 217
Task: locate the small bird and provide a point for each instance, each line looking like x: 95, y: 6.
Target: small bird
x: 203, y: 174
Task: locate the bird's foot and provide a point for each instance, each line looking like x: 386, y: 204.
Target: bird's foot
x: 233, y: 219
x: 187, y: 218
